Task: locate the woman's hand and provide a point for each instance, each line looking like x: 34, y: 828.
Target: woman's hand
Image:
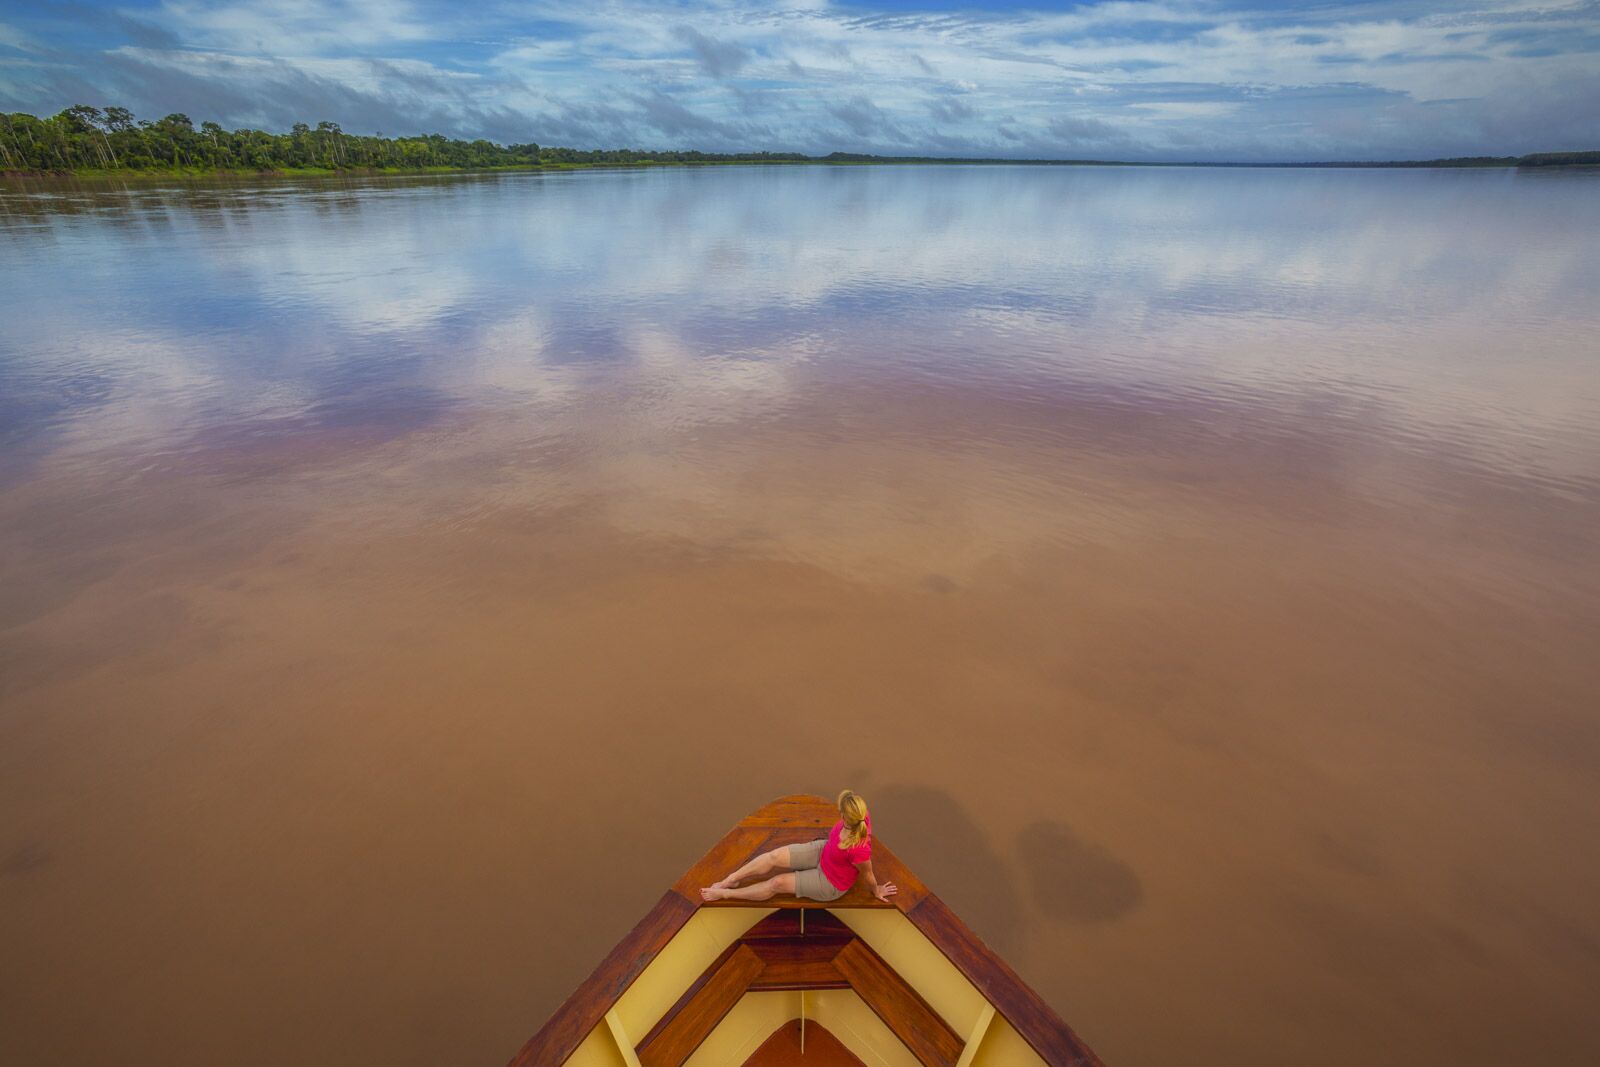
x: 884, y: 890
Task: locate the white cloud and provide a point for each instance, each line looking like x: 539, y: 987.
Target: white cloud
x: 1324, y: 82
x: 1180, y: 109
x: 11, y: 37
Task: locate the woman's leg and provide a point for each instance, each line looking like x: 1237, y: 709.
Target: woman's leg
x: 778, y: 883
x: 766, y: 863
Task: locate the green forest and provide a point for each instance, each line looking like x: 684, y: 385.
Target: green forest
x: 92, y: 140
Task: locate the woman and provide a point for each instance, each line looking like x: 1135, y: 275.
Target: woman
x: 817, y: 870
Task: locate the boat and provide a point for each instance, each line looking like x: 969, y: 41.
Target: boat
x: 789, y: 981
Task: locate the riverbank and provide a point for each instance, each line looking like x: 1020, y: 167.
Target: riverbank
x: 1541, y: 160
x: 169, y: 173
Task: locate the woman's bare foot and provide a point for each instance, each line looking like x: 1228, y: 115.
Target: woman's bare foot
x: 714, y: 892
x: 729, y: 882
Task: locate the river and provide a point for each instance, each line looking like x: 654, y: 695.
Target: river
x: 403, y: 580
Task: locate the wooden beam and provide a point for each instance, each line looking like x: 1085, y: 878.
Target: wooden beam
x: 902, y: 1010
x: 692, y: 1022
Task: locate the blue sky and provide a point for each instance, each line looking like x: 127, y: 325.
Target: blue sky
x: 1156, y: 80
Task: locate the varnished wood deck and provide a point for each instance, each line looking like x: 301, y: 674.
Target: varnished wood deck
x: 792, y: 820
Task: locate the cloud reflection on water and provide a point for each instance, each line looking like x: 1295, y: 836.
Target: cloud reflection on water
x: 1216, y: 280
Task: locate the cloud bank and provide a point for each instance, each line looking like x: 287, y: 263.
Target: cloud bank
x: 1155, y: 80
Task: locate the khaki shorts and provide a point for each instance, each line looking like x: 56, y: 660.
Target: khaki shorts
x: 809, y: 881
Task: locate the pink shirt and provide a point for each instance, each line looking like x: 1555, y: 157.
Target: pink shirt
x: 839, y: 864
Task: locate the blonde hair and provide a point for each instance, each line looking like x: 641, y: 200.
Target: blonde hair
x: 853, y: 810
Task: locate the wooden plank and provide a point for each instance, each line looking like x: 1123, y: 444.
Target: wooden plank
x: 798, y: 950
x: 589, y: 1003
x: 799, y: 974
x: 742, y: 844
x: 800, y: 962
x: 819, y: 926
x: 888, y: 868
x: 1024, y: 1009
x: 690, y: 1023
x: 796, y: 809
x: 902, y: 1010
x: 857, y: 897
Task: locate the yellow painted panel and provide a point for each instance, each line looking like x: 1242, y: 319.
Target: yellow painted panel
x: 743, y: 1029
x: 848, y: 1018
x: 970, y: 1050
x: 596, y: 1050
x: 1002, y: 1046
x: 624, y: 1043
x: 679, y: 963
x: 917, y: 960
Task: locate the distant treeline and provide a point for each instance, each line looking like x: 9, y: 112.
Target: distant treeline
x: 94, y: 139
x: 1537, y: 159
x: 91, y: 139
x: 1559, y: 159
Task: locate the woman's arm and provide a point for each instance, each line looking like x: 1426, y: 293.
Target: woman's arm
x: 882, y: 891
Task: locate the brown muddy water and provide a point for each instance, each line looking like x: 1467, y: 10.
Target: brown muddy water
x: 402, y: 582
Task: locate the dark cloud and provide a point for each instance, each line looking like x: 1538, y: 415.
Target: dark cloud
x: 671, y: 118
x: 1071, y: 130
x: 950, y: 109
x: 761, y: 101
x: 866, y: 120
x: 136, y: 30
x: 133, y: 30
x: 584, y: 125
x: 720, y: 59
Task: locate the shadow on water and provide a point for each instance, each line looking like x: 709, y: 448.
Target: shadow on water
x: 24, y: 860
x: 1074, y: 879
x: 939, y: 840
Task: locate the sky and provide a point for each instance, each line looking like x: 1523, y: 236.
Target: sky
x: 1160, y: 80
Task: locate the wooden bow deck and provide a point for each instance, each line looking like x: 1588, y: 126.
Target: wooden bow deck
x: 774, y: 956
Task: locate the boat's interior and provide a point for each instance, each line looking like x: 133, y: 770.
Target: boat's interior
x: 790, y: 981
